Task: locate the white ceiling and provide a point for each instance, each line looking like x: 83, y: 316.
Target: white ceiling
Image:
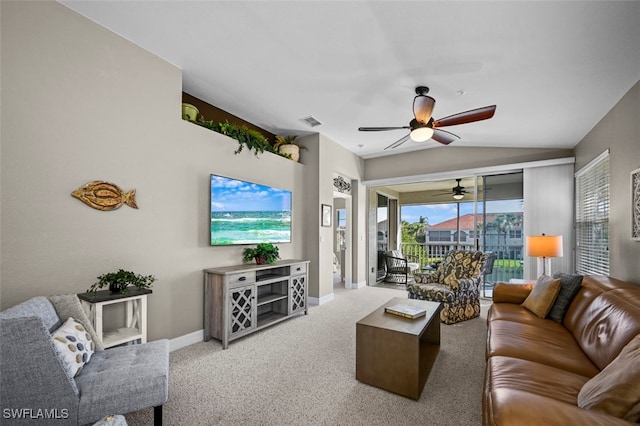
x: 553, y: 68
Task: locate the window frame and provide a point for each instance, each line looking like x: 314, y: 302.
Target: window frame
x: 592, y: 213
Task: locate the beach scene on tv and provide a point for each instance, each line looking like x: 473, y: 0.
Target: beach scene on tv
x: 248, y: 213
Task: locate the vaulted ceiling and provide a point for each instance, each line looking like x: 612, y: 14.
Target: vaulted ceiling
x: 553, y: 68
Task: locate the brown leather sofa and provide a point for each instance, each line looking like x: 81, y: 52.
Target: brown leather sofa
x: 536, y: 367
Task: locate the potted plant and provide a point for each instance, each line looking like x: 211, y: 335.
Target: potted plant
x: 263, y: 253
x: 189, y: 112
x: 288, y: 147
x: 118, y: 282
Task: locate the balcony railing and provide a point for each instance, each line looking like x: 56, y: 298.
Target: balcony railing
x: 507, y: 265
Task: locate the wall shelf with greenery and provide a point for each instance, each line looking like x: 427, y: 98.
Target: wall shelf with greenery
x: 246, y: 137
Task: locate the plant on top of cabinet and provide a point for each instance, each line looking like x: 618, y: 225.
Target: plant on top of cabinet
x: 118, y: 282
x: 252, y: 139
x: 288, y: 147
x: 263, y: 253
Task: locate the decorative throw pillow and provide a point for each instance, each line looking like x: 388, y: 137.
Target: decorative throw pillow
x: 542, y: 296
x: 73, y: 345
x: 569, y: 287
x: 616, y: 389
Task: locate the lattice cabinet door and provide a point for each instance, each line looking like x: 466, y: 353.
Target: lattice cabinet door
x: 297, y: 294
x: 242, y: 310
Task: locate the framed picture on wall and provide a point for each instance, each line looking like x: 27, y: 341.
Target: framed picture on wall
x: 635, y: 205
x: 326, y: 215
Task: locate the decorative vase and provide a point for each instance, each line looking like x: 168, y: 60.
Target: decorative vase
x: 189, y: 112
x: 292, y: 150
x: 260, y: 260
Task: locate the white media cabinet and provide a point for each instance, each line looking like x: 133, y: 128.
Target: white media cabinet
x: 241, y: 299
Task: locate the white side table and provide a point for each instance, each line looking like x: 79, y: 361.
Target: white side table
x: 135, y: 315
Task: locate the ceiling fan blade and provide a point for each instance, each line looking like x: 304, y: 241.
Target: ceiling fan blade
x: 443, y: 136
x: 398, y: 142
x: 380, y: 129
x: 470, y: 116
x: 423, y: 107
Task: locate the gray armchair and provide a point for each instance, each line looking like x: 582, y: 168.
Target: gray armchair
x: 35, y: 384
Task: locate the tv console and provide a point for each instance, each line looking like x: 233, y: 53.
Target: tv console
x: 241, y: 299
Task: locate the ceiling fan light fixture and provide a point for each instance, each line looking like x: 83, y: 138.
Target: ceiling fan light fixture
x: 458, y: 196
x: 421, y: 134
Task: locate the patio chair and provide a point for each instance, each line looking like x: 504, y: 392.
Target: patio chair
x: 456, y: 283
x: 488, y: 270
x: 398, y: 268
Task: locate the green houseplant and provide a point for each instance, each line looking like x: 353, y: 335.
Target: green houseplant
x: 263, y: 253
x: 287, y: 146
x: 246, y: 137
x: 118, y: 282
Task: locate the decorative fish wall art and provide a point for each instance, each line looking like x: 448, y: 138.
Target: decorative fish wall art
x: 105, y: 196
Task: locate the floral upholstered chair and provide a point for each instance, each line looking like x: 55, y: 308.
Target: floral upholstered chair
x: 456, y: 283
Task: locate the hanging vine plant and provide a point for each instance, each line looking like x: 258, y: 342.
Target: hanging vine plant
x: 246, y: 137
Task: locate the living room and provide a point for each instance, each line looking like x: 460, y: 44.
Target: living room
x: 81, y: 103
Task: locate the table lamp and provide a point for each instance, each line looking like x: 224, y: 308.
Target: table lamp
x: 544, y: 247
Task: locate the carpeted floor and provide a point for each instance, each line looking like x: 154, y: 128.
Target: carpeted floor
x: 302, y: 372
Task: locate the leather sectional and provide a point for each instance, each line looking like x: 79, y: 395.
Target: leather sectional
x: 543, y: 372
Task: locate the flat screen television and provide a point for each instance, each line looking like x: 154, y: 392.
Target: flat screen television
x: 248, y: 213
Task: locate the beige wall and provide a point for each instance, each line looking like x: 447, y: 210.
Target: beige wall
x: 79, y: 104
x: 619, y: 131
x: 327, y: 158
x: 451, y: 158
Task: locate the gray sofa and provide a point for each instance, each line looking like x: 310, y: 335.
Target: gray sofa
x: 37, y: 389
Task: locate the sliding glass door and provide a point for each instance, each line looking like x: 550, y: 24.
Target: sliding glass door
x: 500, y: 226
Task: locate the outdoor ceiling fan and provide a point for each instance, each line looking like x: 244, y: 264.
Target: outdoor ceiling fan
x: 424, y: 127
x: 457, y: 191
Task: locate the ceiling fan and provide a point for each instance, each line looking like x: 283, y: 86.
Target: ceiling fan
x: 424, y: 127
x: 457, y: 191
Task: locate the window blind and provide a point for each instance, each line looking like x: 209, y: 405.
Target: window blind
x: 592, y: 217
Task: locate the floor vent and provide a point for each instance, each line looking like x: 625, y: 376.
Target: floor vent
x: 311, y: 121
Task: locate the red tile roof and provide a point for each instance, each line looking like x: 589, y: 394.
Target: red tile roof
x: 466, y: 221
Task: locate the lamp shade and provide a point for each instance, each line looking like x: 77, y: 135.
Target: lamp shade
x: 544, y: 245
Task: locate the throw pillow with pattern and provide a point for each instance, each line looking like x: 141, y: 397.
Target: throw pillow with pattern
x: 73, y: 345
x: 569, y: 287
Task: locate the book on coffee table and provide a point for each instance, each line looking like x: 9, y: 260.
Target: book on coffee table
x: 406, y: 311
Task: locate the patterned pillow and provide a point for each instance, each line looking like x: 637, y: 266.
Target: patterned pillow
x: 73, y: 345
x: 542, y: 296
x: 569, y: 287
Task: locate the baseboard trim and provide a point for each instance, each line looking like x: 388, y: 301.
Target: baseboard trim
x: 315, y: 301
x: 361, y: 284
x: 186, y: 340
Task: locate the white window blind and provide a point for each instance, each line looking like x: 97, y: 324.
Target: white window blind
x: 592, y: 217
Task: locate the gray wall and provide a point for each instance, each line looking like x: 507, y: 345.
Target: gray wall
x: 80, y: 103
x: 619, y: 131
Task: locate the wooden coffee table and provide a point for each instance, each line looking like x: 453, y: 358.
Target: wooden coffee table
x: 396, y: 353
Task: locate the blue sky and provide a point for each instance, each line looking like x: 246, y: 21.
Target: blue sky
x: 236, y: 195
x: 436, y: 213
